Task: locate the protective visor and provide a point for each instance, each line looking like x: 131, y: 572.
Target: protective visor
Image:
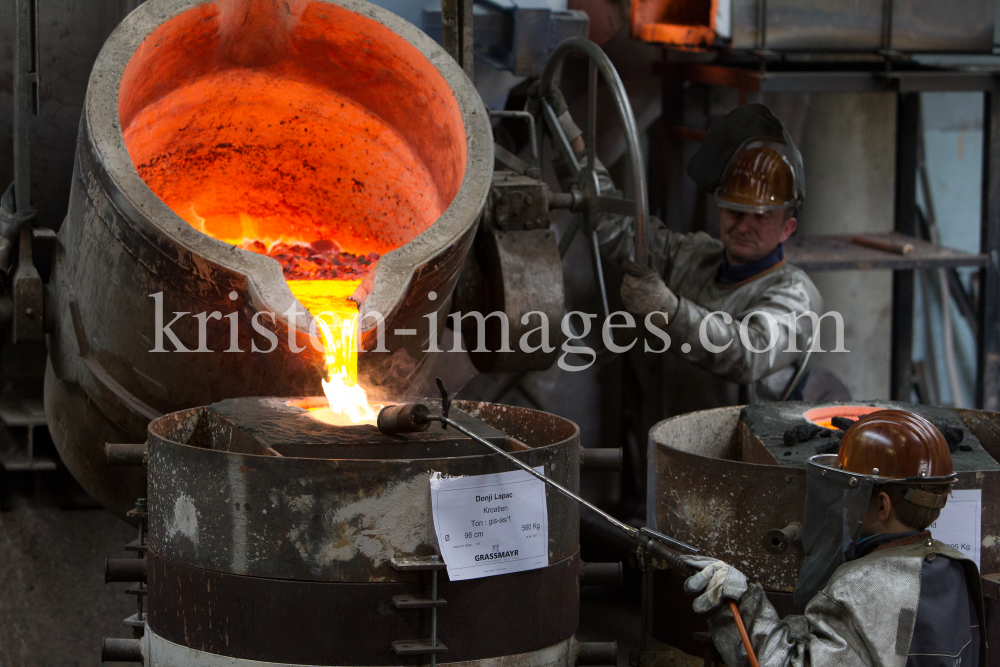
x: 836, y: 503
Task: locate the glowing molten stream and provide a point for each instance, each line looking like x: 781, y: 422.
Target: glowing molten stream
x: 300, y: 173
x: 337, y: 320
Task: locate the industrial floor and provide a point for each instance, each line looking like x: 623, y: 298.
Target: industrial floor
x: 54, y: 605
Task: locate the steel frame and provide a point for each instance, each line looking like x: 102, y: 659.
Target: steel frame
x: 752, y: 78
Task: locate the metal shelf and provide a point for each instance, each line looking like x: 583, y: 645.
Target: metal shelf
x: 838, y: 253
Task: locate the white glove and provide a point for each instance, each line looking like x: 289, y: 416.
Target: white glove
x: 644, y: 292
x: 718, y: 581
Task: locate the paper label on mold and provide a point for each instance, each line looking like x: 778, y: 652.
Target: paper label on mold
x: 960, y: 523
x: 490, y: 524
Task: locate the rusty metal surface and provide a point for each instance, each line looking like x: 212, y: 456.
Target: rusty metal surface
x: 243, y: 511
x: 824, y: 25
x: 324, y: 623
x: 769, y: 421
x: 119, y: 238
x: 713, y: 484
x: 522, y: 274
x: 278, y: 426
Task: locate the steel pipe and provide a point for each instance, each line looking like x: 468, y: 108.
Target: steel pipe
x: 777, y: 540
x: 601, y: 574
x: 121, y: 650
x: 125, y: 454
x: 601, y: 459
x: 124, y: 570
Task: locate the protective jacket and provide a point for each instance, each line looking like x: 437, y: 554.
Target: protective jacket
x: 689, y: 264
x: 876, y: 611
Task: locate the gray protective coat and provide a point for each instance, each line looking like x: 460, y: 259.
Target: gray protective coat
x: 864, y: 617
x: 688, y: 264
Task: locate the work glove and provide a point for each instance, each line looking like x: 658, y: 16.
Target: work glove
x: 644, y: 292
x: 716, y: 581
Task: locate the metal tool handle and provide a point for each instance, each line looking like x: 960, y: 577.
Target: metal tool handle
x: 634, y: 533
x: 676, y: 563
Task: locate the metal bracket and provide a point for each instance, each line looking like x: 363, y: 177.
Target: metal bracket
x: 433, y: 564
x: 29, y: 315
x: 417, y: 564
x: 416, y: 602
x: 456, y: 32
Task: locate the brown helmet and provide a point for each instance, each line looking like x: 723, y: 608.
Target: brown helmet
x: 758, y: 178
x: 897, y: 445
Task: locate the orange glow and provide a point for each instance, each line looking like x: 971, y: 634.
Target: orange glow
x: 298, y: 161
x: 299, y: 130
x: 824, y: 416
x: 685, y: 24
x: 245, y: 175
x: 337, y: 320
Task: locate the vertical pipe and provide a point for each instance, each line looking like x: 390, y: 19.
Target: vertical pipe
x: 466, y: 19
x: 905, y: 218
x: 672, y: 145
x: 23, y: 69
x: 450, y: 28
x: 456, y: 32
x: 434, y: 614
x: 988, y: 376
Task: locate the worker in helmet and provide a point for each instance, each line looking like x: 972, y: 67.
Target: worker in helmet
x: 877, y: 588
x: 706, y: 287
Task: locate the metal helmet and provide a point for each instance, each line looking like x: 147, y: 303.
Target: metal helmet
x: 759, y: 178
x: 748, y: 126
x: 883, y: 447
x: 896, y: 446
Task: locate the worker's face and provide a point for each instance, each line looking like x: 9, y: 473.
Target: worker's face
x: 749, y: 237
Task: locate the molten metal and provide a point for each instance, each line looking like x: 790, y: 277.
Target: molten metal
x: 254, y: 151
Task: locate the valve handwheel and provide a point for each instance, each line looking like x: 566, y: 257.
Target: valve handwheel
x: 587, y: 199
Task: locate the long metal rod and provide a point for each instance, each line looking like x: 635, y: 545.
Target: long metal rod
x: 733, y: 607
x: 629, y: 530
x: 595, y: 260
x: 634, y: 533
x: 523, y: 115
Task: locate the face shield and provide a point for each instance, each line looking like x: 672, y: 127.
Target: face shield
x: 836, y: 504
x: 760, y: 177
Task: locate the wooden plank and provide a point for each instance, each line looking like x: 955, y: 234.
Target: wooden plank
x: 838, y: 253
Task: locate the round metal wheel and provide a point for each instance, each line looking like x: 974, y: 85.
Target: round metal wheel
x: 587, y: 200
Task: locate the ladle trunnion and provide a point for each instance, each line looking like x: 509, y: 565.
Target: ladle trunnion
x: 276, y: 538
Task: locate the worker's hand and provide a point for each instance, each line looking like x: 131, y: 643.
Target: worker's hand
x: 716, y: 581
x: 556, y: 100
x: 644, y: 292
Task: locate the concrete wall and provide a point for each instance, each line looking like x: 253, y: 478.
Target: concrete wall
x: 848, y: 147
